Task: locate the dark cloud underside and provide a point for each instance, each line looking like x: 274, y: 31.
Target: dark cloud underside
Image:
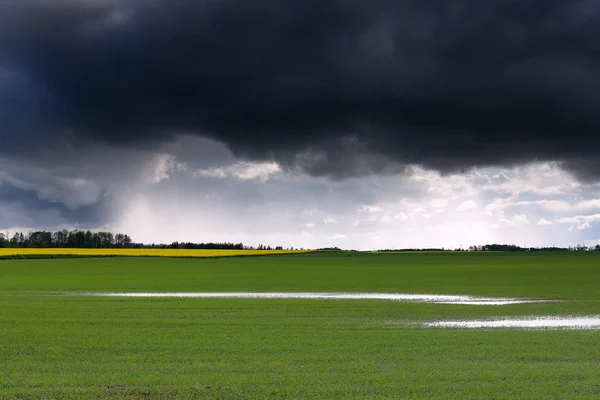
x: 336, y: 88
x: 26, y: 207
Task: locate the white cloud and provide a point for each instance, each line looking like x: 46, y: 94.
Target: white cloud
x: 581, y: 222
x: 499, y: 205
x: 336, y: 236
x: 418, y: 211
x: 386, y: 219
x: 466, y: 205
x: 369, y: 209
x: 584, y: 225
x: 438, y: 203
x: 587, y: 205
x: 243, y: 170
x: 578, y: 219
x: 516, y: 220
x: 368, y: 219
x: 550, y: 205
x: 450, y: 187
x: 162, y: 166
x: 401, y: 216
x: 540, y: 178
x: 330, y: 220
x: 544, y: 222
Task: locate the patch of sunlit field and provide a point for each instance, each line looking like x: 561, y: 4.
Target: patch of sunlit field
x: 18, y: 252
x: 58, y: 342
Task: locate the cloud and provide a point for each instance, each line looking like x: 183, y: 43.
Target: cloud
x: 516, y: 220
x: 438, y: 203
x: 330, y: 220
x: 370, y: 209
x: 69, y: 189
x: 584, y: 225
x: 560, y: 206
x: 580, y: 219
x: 330, y: 88
x: 540, y: 178
x: 419, y: 211
x: 242, y: 170
x: 164, y: 165
x: 401, y: 216
x: 544, y: 222
x: 586, y: 205
x: 278, y: 212
x: 466, y: 205
x: 24, y: 209
x: 336, y: 236
x: 134, y: 200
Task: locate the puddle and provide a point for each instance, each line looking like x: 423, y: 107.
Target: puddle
x: 406, y: 297
x: 590, y: 322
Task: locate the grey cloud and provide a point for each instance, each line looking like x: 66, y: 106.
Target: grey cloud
x: 334, y: 88
x: 21, y: 208
x: 73, y: 184
x: 586, y: 169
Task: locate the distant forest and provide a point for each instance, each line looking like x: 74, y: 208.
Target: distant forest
x: 504, y: 247
x: 106, y: 240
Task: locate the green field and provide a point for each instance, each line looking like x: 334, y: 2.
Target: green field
x: 55, y: 346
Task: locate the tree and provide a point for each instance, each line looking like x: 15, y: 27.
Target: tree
x: 35, y: 239
x: 107, y: 239
x: 14, y: 241
x: 60, y: 238
x: 597, y: 248
x: 88, y: 241
x: 79, y: 239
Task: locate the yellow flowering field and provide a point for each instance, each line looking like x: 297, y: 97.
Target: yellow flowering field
x: 8, y: 252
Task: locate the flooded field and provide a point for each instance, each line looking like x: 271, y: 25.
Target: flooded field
x: 551, y: 322
x: 315, y: 325
x: 406, y: 297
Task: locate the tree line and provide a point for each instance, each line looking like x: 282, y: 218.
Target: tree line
x: 88, y: 239
x: 512, y: 247
x: 502, y: 247
x: 65, y: 239
x: 107, y: 240
x: 208, y: 246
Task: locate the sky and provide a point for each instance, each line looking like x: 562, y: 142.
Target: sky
x: 365, y: 125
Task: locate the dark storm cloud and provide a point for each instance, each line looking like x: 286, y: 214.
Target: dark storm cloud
x: 336, y: 87
x: 26, y: 205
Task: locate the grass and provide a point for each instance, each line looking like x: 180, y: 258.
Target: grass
x: 82, y: 347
